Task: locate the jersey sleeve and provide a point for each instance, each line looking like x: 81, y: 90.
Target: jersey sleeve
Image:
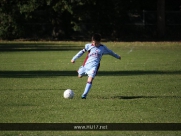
x: 81, y: 52
x: 87, y: 46
x: 110, y: 52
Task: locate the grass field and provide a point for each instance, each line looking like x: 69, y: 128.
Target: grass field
x: 144, y: 87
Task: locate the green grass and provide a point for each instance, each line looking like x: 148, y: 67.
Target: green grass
x: 144, y: 87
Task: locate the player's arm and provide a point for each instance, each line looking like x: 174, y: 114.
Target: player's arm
x: 78, y: 55
x: 110, y: 52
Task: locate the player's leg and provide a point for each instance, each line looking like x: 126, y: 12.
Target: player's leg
x: 87, y: 87
x: 81, y: 71
x: 91, y: 74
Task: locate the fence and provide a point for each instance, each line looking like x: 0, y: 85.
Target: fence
x: 137, y: 26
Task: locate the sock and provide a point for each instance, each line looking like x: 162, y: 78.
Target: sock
x: 87, y: 88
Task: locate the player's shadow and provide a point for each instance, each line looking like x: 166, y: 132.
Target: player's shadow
x: 35, y: 74
x: 142, y: 97
x: 54, y: 73
x: 136, y: 72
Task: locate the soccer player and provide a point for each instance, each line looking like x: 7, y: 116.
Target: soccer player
x: 92, y: 62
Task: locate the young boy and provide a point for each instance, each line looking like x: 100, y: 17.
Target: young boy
x: 92, y: 62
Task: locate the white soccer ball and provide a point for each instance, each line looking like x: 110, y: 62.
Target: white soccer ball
x: 68, y: 94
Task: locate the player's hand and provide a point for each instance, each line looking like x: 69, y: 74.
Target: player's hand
x: 73, y: 61
x: 120, y: 57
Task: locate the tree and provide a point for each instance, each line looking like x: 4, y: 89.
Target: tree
x: 23, y: 19
x: 10, y: 18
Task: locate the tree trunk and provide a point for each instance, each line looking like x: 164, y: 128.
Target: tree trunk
x: 161, y: 18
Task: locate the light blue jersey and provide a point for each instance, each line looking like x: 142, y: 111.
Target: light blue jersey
x: 92, y: 61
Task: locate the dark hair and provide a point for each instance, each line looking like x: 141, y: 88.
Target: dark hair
x: 96, y: 37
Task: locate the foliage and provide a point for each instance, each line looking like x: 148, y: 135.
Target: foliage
x: 64, y: 19
x: 26, y: 18
x: 9, y: 16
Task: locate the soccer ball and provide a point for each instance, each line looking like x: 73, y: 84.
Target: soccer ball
x: 68, y: 94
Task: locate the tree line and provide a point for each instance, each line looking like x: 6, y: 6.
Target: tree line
x: 78, y: 19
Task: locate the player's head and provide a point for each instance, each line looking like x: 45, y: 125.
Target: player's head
x: 96, y: 37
